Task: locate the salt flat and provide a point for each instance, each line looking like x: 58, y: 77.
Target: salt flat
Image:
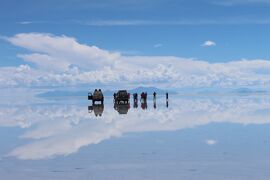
x: 195, y: 137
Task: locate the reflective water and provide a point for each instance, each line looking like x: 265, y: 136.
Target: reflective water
x: 191, y: 137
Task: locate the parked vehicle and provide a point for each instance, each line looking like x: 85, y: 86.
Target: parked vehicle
x: 122, y: 96
x: 96, y: 96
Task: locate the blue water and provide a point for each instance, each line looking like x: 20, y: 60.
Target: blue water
x: 195, y: 137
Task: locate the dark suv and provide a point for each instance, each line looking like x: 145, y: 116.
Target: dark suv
x: 96, y: 96
x: 122, y: 96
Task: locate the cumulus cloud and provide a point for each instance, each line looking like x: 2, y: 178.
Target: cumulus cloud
x: 61, y: 60
x: 211, y: 142
x: 63, y: 51
x: 208, y: 43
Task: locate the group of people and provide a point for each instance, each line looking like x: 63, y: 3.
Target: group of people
x: 143, y: 99
x: 144, y: 96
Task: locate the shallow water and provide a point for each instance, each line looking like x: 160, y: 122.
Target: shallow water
x: 195, y: 137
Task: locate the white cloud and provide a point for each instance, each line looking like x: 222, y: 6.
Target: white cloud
x: 24, y: 22
x: 210, y: 142
x: 208, y: 43
x: 62, y: 50
x: 61, y: 60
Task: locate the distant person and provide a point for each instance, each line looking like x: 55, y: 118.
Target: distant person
x: 154, y: 95
x: 167, y: 96
x: 135, y: 97
x: 142, y: 96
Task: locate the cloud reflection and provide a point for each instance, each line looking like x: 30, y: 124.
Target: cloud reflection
x: 64, y: 129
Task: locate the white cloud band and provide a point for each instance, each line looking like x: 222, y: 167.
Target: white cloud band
x: 61, y: 60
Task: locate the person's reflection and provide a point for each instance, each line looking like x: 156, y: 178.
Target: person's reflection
x: 135, y: 104
x: 135, y: 100
x: 155, y: 104
x: 154, y: 100
x: 97, y: 108
x: 167, y: 99
x: 144, y: 104
x: 122, y: 108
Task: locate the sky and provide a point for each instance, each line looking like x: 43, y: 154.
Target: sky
x: 171, y: 43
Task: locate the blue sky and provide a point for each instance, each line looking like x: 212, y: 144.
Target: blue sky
x: 235, y: 25
x: 237, y: 29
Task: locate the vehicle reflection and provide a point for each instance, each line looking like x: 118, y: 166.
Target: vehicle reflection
x: 97, y: 109
x: 122, y: 108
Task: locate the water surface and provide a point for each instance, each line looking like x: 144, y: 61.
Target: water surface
x: 194, y: 137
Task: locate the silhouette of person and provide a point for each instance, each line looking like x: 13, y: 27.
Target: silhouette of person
x: 142, y: 96
x: 135, y: 97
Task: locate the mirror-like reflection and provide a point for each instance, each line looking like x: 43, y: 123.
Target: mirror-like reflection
x: 97, y: 108
x: 71, y: 123
x: 51, y: 131
x: 121, y: 102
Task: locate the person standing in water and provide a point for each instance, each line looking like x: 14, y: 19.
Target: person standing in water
x: 154, y: 99
x: 167, y: 99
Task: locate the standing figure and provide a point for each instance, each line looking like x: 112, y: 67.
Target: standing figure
x: 167, y: 99
x: 142, y: 96
x: 154, y: 99
x: 135, y: 100
x: 135, y: 97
